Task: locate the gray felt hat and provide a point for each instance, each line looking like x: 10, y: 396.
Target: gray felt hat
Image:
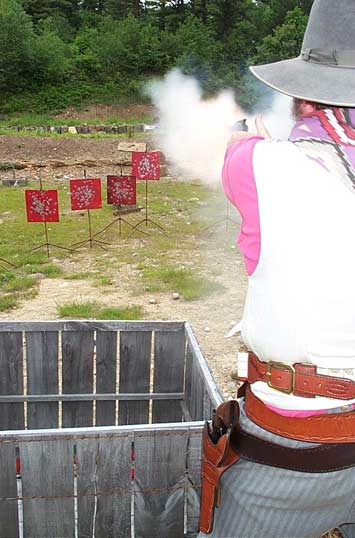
x: 325, y: 70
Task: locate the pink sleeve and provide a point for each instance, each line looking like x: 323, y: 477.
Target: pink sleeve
x: 239, y: 185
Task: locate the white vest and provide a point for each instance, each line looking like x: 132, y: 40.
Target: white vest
x: 300, y: 305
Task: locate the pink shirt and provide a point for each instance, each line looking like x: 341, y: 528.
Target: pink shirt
x: 239, y: 185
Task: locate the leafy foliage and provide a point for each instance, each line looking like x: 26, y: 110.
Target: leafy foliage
x: 286, y: 40
x: 54, y: 53
x: 15, y: 45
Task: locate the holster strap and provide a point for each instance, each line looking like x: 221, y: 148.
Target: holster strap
x: 216, y: 459
x: 323, y: 458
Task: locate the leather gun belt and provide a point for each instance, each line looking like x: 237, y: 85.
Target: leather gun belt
x: 323, y: 458
x: 327, y: 428
x: 299, y: 379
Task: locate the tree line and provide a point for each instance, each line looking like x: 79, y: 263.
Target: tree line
x: 54, y: 53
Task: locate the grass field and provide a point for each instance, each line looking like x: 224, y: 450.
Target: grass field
x: 38, y: 120
x: 183, y: 209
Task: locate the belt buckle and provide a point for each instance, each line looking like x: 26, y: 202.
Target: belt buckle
x: 281, y: 365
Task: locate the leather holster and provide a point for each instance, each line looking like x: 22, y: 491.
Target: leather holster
x: 218, y: 455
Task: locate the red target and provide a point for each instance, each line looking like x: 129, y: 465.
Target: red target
x: 42, y: 205
x: 121, y: 190
x: 146, y: 165
x: 85, y: 194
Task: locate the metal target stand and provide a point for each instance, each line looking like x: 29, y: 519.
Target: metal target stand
x: 225, y: 220
x: 147, y: 219
x: 121, y: 221
x: 91, y: 239
x: 47, y: 244
x: 4, y: 263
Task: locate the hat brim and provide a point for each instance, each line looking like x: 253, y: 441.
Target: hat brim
x: 310, y: 81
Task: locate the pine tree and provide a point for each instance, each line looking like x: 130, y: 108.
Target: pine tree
x: 15, y: 45
x: 41, y: 9
x: 119, y: 9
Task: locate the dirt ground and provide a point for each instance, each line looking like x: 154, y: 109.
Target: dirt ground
x: 210, y: 317
x: 107, y: 111
x: 38, y: 149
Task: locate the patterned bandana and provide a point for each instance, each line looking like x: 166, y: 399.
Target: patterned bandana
x: 328, y: 136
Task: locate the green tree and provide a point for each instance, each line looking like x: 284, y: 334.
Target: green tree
x: 128, y: 47
x: 286, y: 40
x: 15, y: 45
x: 41, y: 9
x: 119, y: 9
x: 196, y: 44
x: 275, y: 11
x: 95, y: 6
x: 50, y: 57
x: 85, y: 58
x: 58, y: 25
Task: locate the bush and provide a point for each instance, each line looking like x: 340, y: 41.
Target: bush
x: 286, y: 40
x: 52, y: 98
x: 15, y: 45
x: 196, y: 46
x: 129, y: 47
x: 50, y: 57
x: 84, y: 52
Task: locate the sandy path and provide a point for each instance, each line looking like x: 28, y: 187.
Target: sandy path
x: 210, y: 317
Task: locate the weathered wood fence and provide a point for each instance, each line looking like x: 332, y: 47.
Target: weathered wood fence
x: 101, y: 429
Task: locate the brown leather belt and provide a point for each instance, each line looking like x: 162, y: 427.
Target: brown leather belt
x: 323, y: 458
x: 327, y: 428
x: 299, y: 379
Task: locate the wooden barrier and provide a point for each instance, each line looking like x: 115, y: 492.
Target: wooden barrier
x: 78, y: 455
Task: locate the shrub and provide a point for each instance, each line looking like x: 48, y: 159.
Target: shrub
x: 50, y: 57
x: 15, y: 44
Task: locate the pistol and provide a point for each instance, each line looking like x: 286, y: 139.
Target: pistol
x: 240, y: 125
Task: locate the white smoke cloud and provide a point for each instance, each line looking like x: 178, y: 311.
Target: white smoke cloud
x: 193, y: 132
x: 278, y: 119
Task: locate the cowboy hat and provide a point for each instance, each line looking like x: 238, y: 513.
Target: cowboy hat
x: 325, y: 70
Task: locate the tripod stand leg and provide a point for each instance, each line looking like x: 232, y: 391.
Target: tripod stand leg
x: 160, y: 228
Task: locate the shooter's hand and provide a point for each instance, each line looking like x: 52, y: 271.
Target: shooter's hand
x: 237, y: 136
x: 260, y: 129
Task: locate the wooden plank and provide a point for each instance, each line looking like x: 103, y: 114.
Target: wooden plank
x: 86, y: 455
x: 169, y: 365
x: 42, y: 377
x: 211, y: 385
x: 135, y: 351
x: 47, y: 471
x: 78, y: 358
x: 90, y: 325
x: 188, y: 378
x: 160, y: 464
x: 113, y: 474
x: 106, y: 355
x: 207, y: 404
x: 8, y: 509
x: 112, y: 432
x: 196, y: 403
x: 133, y: 396
x: 193, y: 483
x: 104, y: 467
x: 185, y: 412
x: 11, y: 380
